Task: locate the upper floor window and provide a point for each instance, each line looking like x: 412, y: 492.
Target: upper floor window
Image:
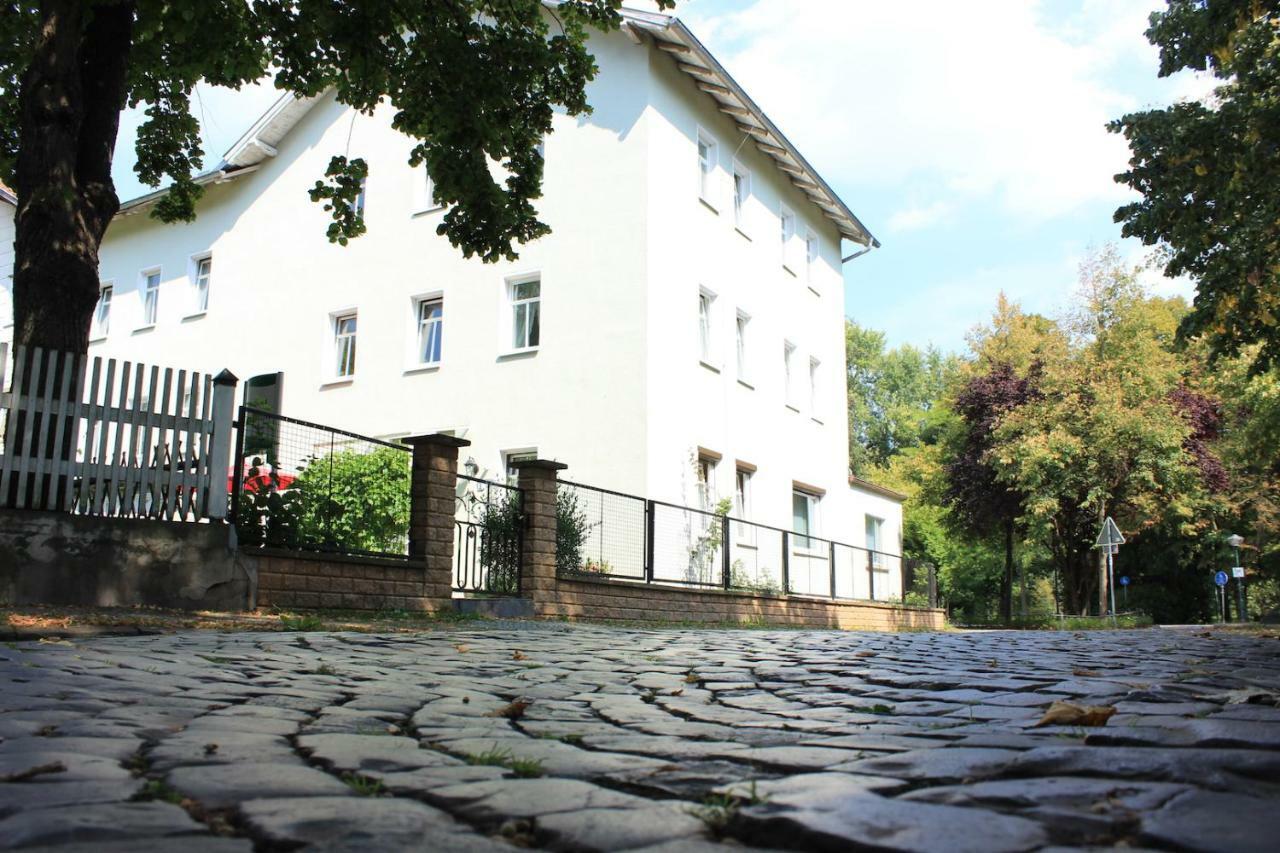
x: 511, y: 457
x: 706, y: 167
x: 706, y: 473
x: 102, y: 312
x: 150, y: 297
x: 202, y: 276
x: 430, y: 328
x: 788, y: 222
x: 788, y: 380
x: 741, y: 329
x: 344, y: 344
x: 424, y: 192
x: 526, y: 312
x: 810, y: 254
x: 814, y: 364
x: 705, y: 327
x: 741, y: 192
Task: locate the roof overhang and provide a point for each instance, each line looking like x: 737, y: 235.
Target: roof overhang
x: 875, y: 488
x: 671, y: 36
x: 214, y: 176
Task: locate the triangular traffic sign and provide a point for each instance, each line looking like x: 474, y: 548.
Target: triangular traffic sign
x: 1109, y: 536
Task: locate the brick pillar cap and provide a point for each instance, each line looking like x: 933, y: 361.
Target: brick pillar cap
x: 539, y: 465
x: 435, y: 439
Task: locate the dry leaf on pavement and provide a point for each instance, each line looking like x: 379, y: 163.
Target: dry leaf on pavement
x: 514, y: 711
x: 1086, y: 673
x: 1069, y: 714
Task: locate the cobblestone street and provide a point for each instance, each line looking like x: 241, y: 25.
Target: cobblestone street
x: 565, y: 737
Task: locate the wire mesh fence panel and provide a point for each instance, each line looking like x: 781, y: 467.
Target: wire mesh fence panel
x: 600, y: 532
x: 809, y: 565
x: 688, y: 546
x: 755, y: 558
x: 488, y: 536
x: 309, y: 487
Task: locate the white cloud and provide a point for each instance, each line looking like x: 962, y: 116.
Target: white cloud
x: 919, y: 216
x: 999, y: 101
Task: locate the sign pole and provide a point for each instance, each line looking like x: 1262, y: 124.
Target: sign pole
x: 1111, y: 581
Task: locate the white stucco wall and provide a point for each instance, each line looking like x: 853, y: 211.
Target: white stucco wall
x: 7, y: 211
x: 616, y: 389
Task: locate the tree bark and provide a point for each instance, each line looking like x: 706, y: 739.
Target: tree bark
x: 1006, y: 583
x: 72, y: 94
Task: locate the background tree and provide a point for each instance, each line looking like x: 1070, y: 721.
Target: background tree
x: 471, y: 81
x: 1209, y: 174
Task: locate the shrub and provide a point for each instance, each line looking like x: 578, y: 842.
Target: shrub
x: 572, y: 528
x: 355, y: 501
x: 501, y: 522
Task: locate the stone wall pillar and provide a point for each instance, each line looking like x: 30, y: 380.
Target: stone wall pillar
x: 433, y: 480
x: 538, y: 480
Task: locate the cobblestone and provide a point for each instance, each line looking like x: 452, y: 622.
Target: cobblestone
x: 658, y: 740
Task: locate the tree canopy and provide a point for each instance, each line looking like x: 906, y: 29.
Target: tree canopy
x: 471, y: 81
x: 1209, y: 172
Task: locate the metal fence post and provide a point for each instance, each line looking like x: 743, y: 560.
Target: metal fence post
x: 724, y: 543
x: 649, y: 512
x: 833, y: 569
x: 786, y: 563
x: 224, y: 395
x: 239, y: 466
x: 871, y: 576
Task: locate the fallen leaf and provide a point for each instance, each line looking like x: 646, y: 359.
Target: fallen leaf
x: 466, y: 700
x: 519, y: 655
x: 513, y: 711
x: 691, y: 679
x: 210, y: 748
x: 1086, y: 673
x: 32, y: 772
x: 678, y: 691
x: 55, y: 641
x: 1069, y: 714
x: 462, y: 647
x: 1078, y: 635
x: 864, y: 654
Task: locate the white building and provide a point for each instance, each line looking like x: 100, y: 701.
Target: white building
x: 684, y: 322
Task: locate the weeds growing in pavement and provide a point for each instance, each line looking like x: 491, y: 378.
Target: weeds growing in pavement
x: 525, y: 768
x: 364, y: 785
x: 301, y: 622
x: 155, y: 789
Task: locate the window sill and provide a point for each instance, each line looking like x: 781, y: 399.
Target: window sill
x: 744, y: 234
x: 792, y: 408
x: 337, y: 382
x: 422, y: 368
x: 745, y: 384
x: 814, y: 291
x: 709, y: 206
x: 714, y: 368
x: 98, y: 339
x: 788, y: 270
x: 518, y: 353
x: 195, y: 316
x: 415, y: 214
x: 143, y: 329
x: 817, y: 421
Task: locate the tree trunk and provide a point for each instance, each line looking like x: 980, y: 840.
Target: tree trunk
x: 70, y: 102
x: 1006, y: 582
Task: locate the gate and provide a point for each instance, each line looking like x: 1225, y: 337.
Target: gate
x: 488, y: 541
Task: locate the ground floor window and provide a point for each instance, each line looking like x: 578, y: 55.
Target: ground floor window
x: 874, y: 540
x: 804, y: 517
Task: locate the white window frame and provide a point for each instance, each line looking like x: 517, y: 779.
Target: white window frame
x: 746, y: 533
x: 101, y: 325
x: 786, y: 234
x: 742, y: 345
x: 741, y: 196
x: 707, y: 167
x: 424, y: 191
x: 707, y: 328
x: 333, y: 350
x: 510, y: 304
x: 811, y: 254
x: 815, y: 367
x: 360, y: 196
x: 199, y: 299
x: 788, y: 374
x: 802, y: 541
x: 871, y: 522
x: 150, y: 296
x: 706, y: 481
x: 519, y: 454
x: 415, y: 360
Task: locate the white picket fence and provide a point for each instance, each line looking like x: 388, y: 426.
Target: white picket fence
x: 95, y: 436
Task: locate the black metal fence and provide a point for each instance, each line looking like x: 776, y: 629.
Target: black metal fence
x: 610, y: 534
x: 488, y: 537
x: 308, y: 487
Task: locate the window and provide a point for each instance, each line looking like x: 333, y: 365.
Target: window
x: 814, y: 364
x: 788, y: 356
x: 706, y: 471
x: 360, y: 197
x: 743, y: 321
x: 874, y: 540
x: 430, y: 326
x: 810, y: 254
x: 705, y: 327
x: 102, y: 312
x: 203, y: 274
x: 424, y: 192
x: 526, y: 299
x: 804, y: 518
x: 511, y: 457
x: 344, y: 345
x: 788, y: 221
x: 742, y: 506
x: 150, y: 297
x: 706, y: 167
x: 741, y: 192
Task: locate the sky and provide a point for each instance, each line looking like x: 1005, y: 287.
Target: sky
x: 969, y: 138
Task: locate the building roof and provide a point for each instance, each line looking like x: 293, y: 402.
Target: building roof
x: 8, y: 195
x: 670, y: 35
x: 876, y: 488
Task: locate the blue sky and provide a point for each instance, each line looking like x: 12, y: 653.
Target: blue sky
x: 969, y: 138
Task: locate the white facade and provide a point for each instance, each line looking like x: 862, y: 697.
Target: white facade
x: 651, y: 271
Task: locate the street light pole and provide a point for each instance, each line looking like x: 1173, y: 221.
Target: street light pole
x: 1235, y: 541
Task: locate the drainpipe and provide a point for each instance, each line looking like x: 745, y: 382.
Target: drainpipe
x: 857, y: 254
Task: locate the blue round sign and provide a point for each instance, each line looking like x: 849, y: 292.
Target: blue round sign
x: 1220, y: 578
x: 1124, y: 580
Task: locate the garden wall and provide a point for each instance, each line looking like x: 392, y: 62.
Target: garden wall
x: 292, y: 580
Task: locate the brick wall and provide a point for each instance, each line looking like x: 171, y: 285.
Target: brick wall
x: 622, y: 601
x: 290, y: 580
